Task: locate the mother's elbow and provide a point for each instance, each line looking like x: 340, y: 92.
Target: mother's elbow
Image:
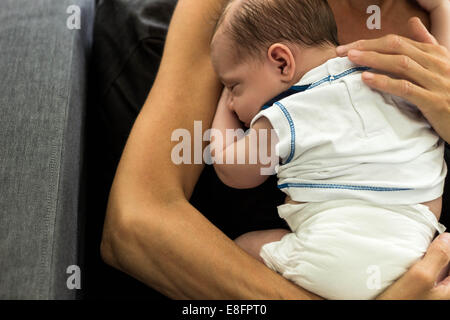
x: 114, y: 230
x: 106, y: 250
x: 117, y: 235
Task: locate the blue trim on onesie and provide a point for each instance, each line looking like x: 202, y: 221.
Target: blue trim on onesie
x: 292, y: 127
x: 339, y: 186
x: 292, y: 90
x: 340, y: 75
x: 297, y: 89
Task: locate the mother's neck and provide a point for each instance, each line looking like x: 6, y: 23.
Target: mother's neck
x: 351, y: 17
x: 362, y: 5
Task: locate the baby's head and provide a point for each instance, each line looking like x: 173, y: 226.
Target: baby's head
x: 261, y: 47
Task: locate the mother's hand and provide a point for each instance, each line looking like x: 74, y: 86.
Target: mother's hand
x: 427, y: 279
x: 422, y: 68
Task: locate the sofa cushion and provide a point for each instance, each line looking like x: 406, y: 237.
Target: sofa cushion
x: 42, y: 109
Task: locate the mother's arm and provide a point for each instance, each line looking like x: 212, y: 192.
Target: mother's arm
x: 427, y: 279
x: 151, y: 231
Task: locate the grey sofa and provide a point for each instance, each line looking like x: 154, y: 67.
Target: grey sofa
x: 43, y: 74
x: 60, y: 109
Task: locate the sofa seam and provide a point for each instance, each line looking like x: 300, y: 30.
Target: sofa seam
x: 55, y: 186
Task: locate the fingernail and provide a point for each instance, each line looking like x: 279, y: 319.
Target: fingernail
x: 367, y: 76
x: 354, y: 53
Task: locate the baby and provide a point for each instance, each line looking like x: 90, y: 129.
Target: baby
x: 363, y: 171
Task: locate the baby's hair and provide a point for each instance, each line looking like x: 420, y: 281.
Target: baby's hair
x: 257, y: 24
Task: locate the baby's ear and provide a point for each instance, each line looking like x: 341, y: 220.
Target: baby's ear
x: 281, y: 57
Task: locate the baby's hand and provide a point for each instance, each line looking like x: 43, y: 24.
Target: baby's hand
x: 224, y: 100
x: 431, y: 5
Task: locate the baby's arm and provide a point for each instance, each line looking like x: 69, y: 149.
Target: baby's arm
x: 440, y: 19
x: 241, y: 164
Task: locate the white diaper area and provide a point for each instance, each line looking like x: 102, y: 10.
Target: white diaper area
x: 350, y: 249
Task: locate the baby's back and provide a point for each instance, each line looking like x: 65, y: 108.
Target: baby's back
x: 341, y: 139
x: 361, y: 162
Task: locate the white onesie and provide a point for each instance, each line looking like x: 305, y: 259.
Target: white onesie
x: 363, y: 161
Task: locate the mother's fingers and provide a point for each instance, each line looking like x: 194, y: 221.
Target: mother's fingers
x: 419, y: 282
x: 400, y: 65
x: 391, y: 43
x: 419, y: 32
x: 426, y: 55
x: 401, y: 88
x: 436, y: 258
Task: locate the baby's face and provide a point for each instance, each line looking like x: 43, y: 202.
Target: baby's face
x: 251, y: 84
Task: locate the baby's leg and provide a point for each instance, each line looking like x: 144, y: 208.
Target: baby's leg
x: 252, y: 242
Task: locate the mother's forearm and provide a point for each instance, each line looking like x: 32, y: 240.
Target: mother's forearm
x: 189, y: 259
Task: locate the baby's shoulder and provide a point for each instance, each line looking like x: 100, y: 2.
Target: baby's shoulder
x: 262, y: 123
